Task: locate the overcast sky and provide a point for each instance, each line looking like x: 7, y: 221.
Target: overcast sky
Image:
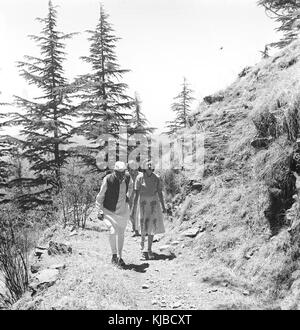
x: 162, y: 42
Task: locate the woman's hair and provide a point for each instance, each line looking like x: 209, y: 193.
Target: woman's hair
x: 149, y: 167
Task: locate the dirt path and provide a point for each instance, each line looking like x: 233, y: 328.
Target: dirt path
x: 89, y: 280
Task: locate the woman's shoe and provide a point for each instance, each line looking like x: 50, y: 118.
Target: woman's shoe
x: 145, y: 256
x: 121, y: 262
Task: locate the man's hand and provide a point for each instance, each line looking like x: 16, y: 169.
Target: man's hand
x: 164, y: 210
x: 100, y: 215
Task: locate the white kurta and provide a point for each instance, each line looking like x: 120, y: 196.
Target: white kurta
x: 119, y: 218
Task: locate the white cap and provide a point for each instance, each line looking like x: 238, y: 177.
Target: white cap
x: 120, y: 166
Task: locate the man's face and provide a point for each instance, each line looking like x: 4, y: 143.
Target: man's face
x: 120, y: 175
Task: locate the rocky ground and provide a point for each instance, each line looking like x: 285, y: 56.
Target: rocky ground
x: 72, y: 270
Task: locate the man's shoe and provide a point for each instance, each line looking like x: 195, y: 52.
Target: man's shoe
x: 151, y: 255
x: 121, y: 262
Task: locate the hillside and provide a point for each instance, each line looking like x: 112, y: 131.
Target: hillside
x: 238, y: 237
x: 243, y: 211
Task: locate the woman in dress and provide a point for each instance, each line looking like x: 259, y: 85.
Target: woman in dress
x: 134, y: 172
x: 149, y: 207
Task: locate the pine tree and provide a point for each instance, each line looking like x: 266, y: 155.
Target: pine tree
x: 4, y: 154
x: 182, y: 109
x: 287, y: 14
x: 138, y: 122
x: 104, y: 104
x: 139, y: 125
x: 45, y: 120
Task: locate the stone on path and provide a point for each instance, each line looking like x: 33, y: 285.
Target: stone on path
x: 35, y: 268
x: 58, y: 248
x: 39, y: 252
x: 177, y: 304
x: 57, y: 266
x: 145, y: 286
x: 191, y: 232
x: 48, y: 276
x: 164, y: 247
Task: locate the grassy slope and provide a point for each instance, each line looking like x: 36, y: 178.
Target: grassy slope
x: 236, y: 243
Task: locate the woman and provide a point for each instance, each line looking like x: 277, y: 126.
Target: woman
x: 148, y: 206
x: 134, y: 172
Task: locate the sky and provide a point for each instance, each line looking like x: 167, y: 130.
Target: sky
x: 162, y: 41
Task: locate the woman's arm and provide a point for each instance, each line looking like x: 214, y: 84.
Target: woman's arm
x: 135, y: 202
x: 160, y: 195
x: 161, y: 199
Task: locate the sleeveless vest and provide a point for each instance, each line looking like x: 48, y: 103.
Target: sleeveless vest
x: 112, y: 191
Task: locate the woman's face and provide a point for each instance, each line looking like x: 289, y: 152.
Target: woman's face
x: 132, y: 172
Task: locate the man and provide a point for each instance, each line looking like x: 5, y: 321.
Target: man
x: 112, y: 203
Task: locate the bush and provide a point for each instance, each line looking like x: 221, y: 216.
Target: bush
x: 14, y: 251
x: 174, y: 182
x: 78, y: 194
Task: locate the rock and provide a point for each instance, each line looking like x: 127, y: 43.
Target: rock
x: 175, y: 243
x: 48, y: 276
x: 58, y: 248
x: 213, y: 98
x: 176, y: 304
x: 57, y: 266
x: 193, y: 232
x: 35, y: 269
x: 164, y: 247
x: 154, y: 302
x: 237, y: 197
x: 39, y: 252
x: 261, y: 143
x: 145, y: 286
x: 42, y: 247
x: 246, y: 293
x: 73, y: 233
x: 295, y: 274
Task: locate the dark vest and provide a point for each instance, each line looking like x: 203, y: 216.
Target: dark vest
x: 112, y: 191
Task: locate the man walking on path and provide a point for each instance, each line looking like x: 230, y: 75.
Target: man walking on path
x: 113, y: 208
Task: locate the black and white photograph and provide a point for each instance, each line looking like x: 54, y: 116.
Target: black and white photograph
x: 149, y: 157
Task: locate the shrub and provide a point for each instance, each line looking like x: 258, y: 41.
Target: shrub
x: 14, y: 250
x: 174, y: 182
x: 78, y: 194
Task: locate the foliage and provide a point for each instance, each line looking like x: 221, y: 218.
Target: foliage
x: 45, y: 121
x: 182, y: 109
x: 287, y: 14
x: 104, y: 103
x: 78, y: 193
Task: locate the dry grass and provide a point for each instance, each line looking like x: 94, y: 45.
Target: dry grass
x: 237, y: 203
